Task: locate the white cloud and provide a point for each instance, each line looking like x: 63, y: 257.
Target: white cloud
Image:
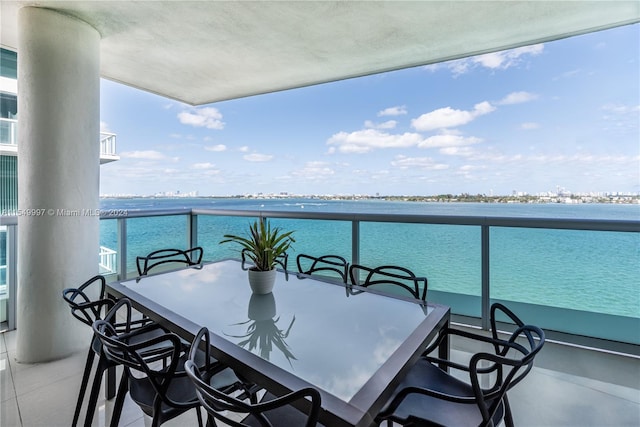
x: 529, y: 126
x: 104, y: 127
x: 244, y: 149
x: 146, y: 155
x: 314, y: 170
x: 208, y: 117
x: 567, y: 74
x: 363, y: 141
x: 507, y: 58
x: 457, y: 151
x: 219, y: 147
x: 621, y: 109
x: 393, y: 111
x: 202, y: 166
x: 448, y: 140
x: 404, y: 162
x: 621, y: 118
x: 448, y: 117
x: 495, y: 60
x: 255, y: 157
x: 389, y: 124
x: 517, y: 98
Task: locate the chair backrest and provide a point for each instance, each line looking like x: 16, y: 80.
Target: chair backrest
x: 88, y: 308
x: 146, y: 263
x: 501, y: 371
x: 388, y: 277
x: 308, y: 264
x: 226, y: 408
x: 155, y: 359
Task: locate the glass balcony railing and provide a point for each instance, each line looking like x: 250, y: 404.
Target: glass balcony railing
x: 576, y: 278
x: 9, y: 136
x: 8, y: 131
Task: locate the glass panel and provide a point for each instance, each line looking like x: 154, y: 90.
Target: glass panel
x: 583, y: 282
x: 8, y: 108
x: 145, y: 235
x: 211, y: 230
x: 448, y: 255
x: 108, y: 246
x: 8, y: 64
x: 317, y: 237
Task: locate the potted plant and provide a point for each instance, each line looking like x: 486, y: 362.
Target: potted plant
x: 262, y: 246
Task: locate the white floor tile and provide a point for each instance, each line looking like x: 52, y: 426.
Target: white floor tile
x: 49, y: 405
x: 10, y: 340
x: 9, y: 414
x: 7, y: 391
x: 29, y: 377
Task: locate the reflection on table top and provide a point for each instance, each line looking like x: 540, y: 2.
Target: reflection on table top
x: 311, y: 329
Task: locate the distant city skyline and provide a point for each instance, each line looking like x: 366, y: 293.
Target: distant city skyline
x: 530, y: 120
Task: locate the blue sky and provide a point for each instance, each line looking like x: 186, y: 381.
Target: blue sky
x: 559, y: 114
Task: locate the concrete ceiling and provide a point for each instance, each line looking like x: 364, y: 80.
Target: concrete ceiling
x: 205, y: 51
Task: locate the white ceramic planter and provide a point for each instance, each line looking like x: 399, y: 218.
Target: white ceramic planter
x: 262, y: 282
x: 262, y: 307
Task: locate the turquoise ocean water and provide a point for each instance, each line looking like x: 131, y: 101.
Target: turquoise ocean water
x: 581, y: 270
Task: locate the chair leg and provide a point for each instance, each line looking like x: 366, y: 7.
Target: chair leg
x: 211, y: 422
x: 508, y: 417
x: 83, y: 386
x: 95, y: 390
x: 199, y: 415
x: 119, y: 403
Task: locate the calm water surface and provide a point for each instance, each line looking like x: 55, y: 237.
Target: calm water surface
x: 591, y: 271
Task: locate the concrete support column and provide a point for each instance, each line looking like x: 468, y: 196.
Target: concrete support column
x: 58, y: 178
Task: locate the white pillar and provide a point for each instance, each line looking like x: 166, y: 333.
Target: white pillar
x: 58, y: 178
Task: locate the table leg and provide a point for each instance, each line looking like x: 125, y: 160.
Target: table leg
x: 443, y: 349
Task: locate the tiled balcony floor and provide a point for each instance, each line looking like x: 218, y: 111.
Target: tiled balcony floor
x: 568, y: 387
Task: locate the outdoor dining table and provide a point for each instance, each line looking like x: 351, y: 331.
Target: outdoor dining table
x: 353, y: 347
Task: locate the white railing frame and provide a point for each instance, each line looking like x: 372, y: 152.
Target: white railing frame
x: 107, y: 144
x: 107, y: 139
x: 13, y: 131
x: 108, y: 260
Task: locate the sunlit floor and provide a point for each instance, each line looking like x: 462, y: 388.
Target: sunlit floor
x: 568, y: 387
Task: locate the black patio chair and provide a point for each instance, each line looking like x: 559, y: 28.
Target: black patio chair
x: 325, y: 265
x: 88, y: 310
x: 270, y: 412
x: 430, y: 396
x: 153, y: 371
x: 188, y: 257
x: 388, y: 278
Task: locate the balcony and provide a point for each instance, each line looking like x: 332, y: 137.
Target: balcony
x: 9, y: 141
x: 569, y: 386
x: 589, y: 371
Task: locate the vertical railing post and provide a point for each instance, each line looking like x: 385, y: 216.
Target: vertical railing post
x: 355, y: 242
x: 192, y: 230
x: 485, y: 294
x: 122, y: 248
